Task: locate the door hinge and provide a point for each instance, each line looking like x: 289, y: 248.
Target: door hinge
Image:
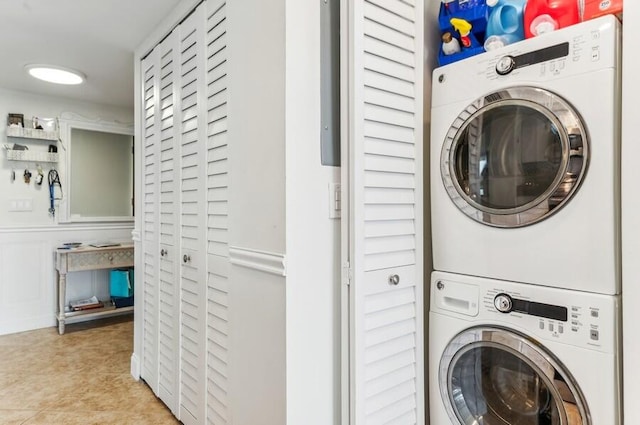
x: 346, y: 274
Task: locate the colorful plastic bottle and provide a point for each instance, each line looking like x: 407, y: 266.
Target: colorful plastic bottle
x: 505, y: 23
x: 464, y: 28
x: 542, y: 16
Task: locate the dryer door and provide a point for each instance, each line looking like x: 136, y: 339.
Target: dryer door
x: 492, y: 376
x: 514, y: 157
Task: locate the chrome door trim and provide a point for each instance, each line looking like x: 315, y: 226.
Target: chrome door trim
x: 530, y: 352
x: 574, y: 143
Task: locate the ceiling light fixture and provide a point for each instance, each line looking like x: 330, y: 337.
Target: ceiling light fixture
x: 56, y: 74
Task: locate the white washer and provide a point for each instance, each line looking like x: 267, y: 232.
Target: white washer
x: 502, y: 353
x: 525, y: 161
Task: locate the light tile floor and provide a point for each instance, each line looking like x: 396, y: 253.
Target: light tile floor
x: 81, y: 377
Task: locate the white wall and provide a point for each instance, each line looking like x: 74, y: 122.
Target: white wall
x: 256, y: 124
x: 256, y: 135
x: 43, y: 106
x: 27, y: 239
x: 313, y: 239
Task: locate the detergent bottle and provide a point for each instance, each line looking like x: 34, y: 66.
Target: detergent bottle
x: 505, y: 24
x: 541, y: 16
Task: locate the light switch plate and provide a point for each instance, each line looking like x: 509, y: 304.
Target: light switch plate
x: 335, y: 200
x: 20, y: 205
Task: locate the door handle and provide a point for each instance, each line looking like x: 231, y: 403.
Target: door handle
x: 394, y: 280
x: 186, y: 258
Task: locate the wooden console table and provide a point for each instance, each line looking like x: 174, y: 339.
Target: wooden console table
x: 83, y: 259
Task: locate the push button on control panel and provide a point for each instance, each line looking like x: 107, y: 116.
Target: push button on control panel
x: 595, y: 335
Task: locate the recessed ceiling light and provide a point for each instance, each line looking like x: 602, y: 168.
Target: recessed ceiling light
x: 56, y: 74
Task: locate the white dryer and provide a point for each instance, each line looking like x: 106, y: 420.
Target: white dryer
x: 525, y: 150
x: 502, y: 353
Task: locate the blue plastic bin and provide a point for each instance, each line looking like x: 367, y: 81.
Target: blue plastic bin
x: 119, y: 283
x: 475, y: 49
x: 477, y: 16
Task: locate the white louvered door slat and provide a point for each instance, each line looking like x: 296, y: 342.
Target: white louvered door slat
x: 169, y: 291
x: 384, y: 180
x: 193, y: 261
x: 217, y: 182
x: 150, y: 229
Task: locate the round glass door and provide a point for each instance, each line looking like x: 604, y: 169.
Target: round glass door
x: 514, y: 157
x: 491, y: 376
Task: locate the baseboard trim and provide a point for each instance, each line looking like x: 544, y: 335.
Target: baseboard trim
x: 135, y: 367
x: 28, y: 324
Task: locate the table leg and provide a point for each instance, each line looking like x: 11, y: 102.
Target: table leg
x: 62, y: 296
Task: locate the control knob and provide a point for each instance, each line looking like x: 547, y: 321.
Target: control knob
x: 503, y: 303
x: 505, y: 65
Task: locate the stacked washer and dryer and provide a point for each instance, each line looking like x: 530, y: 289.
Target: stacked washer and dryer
x: 525, y: 179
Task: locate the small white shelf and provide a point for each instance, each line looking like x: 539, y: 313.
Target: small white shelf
x: 15, y: 155
x: 32, y: 133
x: 108, y: 309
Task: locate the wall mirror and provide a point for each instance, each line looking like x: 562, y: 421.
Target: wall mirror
x: 97, y: 174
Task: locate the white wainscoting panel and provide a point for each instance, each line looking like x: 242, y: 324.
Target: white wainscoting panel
x: 28, y: 276
x: 25, y: 287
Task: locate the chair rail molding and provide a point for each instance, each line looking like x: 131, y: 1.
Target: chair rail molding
x: 268, y: 262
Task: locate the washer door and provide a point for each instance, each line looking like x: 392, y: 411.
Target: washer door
x: 514, y: 157
x: 491, y: 376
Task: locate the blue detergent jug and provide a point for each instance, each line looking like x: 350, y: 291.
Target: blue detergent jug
x: 505, y: 24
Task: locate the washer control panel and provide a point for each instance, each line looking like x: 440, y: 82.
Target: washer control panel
x: 566, y: 316
x: 504, y: 303
x: 558, y: 321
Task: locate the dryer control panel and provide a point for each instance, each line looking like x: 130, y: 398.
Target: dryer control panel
x: 577, y: 318
x: 587, y: 47
x: 578, y: 52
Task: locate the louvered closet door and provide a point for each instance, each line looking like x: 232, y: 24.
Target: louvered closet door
x: 192, y: 218
x: 169, y: 290
x: 150, y: 195
x: 385, y: 121
x: 217, y: 195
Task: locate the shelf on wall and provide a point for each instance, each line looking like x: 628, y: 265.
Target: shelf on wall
x: 32, y: 133
x: 15, y: 155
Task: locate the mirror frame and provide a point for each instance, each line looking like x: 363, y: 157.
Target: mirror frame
x: 69, y: 121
